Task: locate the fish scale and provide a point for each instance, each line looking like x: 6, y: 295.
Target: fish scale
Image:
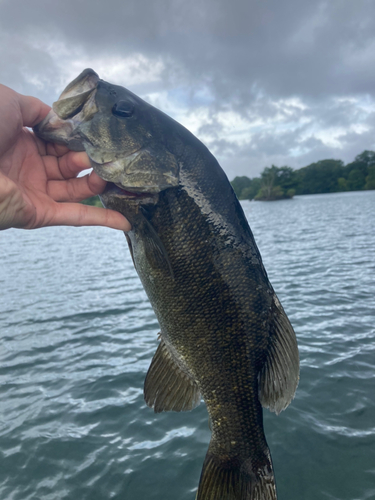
x: 224, y: 316
x: 224, y: 334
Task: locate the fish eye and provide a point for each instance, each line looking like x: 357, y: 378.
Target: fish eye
x: 123, y: 109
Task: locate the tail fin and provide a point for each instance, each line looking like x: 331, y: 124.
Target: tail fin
x: 236, y: 480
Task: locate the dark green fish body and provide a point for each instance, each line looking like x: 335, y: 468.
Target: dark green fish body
x: 224, y: 334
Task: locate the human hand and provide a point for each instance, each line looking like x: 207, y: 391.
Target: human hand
x: 38, y: 180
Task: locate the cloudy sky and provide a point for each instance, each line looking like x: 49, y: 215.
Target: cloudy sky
x: 260, y: 82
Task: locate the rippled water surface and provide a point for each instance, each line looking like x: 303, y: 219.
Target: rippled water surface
x: 77, y: 335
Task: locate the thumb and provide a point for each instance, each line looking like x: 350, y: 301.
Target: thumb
x: 76, y: 214
x: 32, y: 110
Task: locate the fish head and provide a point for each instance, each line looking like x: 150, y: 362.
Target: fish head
x: 125, y: 138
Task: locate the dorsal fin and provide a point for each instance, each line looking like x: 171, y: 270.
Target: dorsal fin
x: 168, y: 386
x: 279, y: 376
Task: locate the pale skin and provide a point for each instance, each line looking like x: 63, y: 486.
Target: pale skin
x: 38, y: 180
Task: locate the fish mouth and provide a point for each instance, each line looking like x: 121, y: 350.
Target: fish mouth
x: 76, y: 96
x: 76, y: 105
x: 125, y: 192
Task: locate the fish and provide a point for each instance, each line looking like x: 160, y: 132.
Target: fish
x: 224, y: 335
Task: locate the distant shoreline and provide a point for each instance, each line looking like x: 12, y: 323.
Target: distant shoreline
x: 322, y: 177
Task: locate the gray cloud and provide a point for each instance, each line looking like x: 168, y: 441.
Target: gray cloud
x: 301, y: 70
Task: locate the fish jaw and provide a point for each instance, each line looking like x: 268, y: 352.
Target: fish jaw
x: 140, y: 172
x: 55, y: 129
x: 76, y: 94
x: 75, y: 106
x: 126, y: 202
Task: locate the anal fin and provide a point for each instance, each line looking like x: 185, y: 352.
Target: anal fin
x: 279, y: 376
x: 168, y: 386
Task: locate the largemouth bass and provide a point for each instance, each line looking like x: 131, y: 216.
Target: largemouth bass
x: 224, y: 334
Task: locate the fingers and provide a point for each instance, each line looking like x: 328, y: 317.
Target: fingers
x: 62, y: 183
x: 95, y: 183
x: 32, y: 109
x: 73, y: 214
x: 55, y: 149
x: 66, y: 167
x: 73, y: 190
x: 72, y: 163
x: 51, y: 149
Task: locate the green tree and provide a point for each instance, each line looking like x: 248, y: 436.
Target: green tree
x: 356, y: 179
x: 250, y: 192
x: 360, y: 166
x: 320, y: 177
x: 370, y: 179
x: 286, y: 178
x: 265, y: 194
x: 239, y: 184
x: 342, y: 184
x: 324, y: 176
x: 367, y: 157
x: 268, y: 177
x: 276, y: 183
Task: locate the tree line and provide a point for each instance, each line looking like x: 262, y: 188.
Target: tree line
x: 324, y: 176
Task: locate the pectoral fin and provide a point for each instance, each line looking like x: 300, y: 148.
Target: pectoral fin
x: 130, y: 249
x: 154, y: 248
x: 279, y: 376
x: 168, y: 386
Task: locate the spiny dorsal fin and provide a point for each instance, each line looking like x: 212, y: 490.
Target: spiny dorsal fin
x: 168, y: 386
x: 279, y: 376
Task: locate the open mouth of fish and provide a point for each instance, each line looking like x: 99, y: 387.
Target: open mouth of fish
x: 124, y: 192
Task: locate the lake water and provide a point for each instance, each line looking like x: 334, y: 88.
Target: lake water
x: 77, y: 335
